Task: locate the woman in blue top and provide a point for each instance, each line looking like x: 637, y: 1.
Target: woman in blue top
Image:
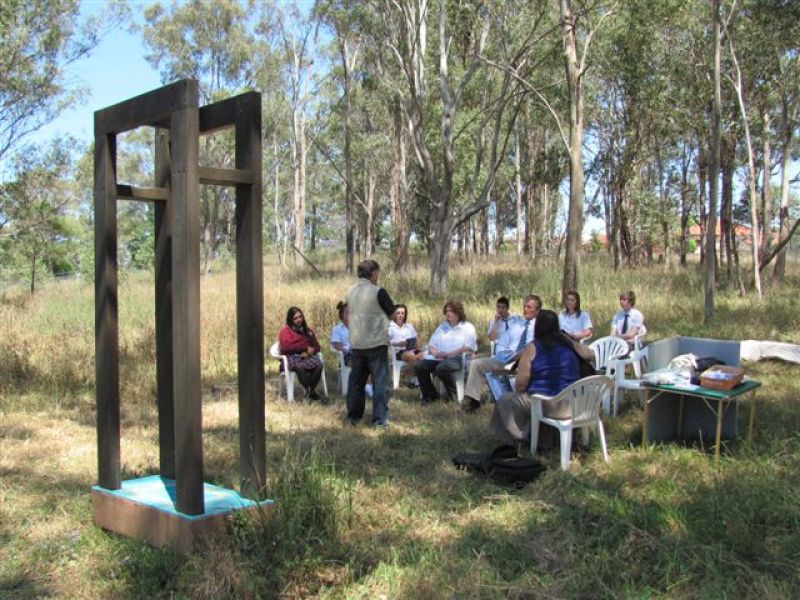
x: 546, y: 367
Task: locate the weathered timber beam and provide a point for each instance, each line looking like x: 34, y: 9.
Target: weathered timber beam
x: 151, y: 108
x: 146, y: 194
x: 222, y: 114
x: 217, y: 176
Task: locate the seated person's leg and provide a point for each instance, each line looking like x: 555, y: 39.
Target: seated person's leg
x: 446, y: 372
x: 423, y: 370
x: 476, y: 376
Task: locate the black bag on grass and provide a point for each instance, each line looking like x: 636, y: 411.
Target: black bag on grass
x: 501, y: 464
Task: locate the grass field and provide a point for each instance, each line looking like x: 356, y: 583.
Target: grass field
x: 382, y: 514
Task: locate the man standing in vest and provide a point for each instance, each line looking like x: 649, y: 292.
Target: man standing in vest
x: 370, y: 308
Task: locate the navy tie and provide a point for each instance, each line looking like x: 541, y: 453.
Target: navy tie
x: 625, y: 324
x: 524, y: 337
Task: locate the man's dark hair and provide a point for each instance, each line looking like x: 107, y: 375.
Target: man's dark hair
x: 504, y: 301
x: 367, y: 267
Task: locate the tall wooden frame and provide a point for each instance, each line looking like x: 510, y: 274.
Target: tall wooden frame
x: 173, y: 110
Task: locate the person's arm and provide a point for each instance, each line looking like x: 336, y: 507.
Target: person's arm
x: 583, y: 350
x: 524, y: 372
x: 338, y: 346
x: 494, y: 328
x: 385, y: 302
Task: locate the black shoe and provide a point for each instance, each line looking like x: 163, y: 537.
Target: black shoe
x: 471, y: 406
x: 428, y: 399
x: 313, y: 395
x: 350, y: 422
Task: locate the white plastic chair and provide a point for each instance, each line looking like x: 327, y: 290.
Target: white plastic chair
x: 584, y: 397
x: 397, y: 368
x: 344, y: 373
x: 607, y: 350
x: 637, y: 359
x: 289, y: 377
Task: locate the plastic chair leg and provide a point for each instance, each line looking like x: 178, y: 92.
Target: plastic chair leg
x: 534, y: 435
x: 289, y: 379
x: 566, y: 447
x: 324, y: 381
x: 602, y: 435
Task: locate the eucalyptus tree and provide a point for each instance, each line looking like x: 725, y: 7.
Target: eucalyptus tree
x: 38, y: 222
x: 39, y: 39
x: 438, y: 116
x: 212, y: 41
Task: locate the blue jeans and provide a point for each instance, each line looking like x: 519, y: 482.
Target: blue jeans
x: 363, y: 363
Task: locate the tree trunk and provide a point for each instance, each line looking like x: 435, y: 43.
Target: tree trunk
x: 369, y: 186
x: 399, y: 200
x: 727, y: 167
x: 711, y: 226
x: 276, y: 202
x: 518, y: 197
x: 349, y: 205
x: 751, y: 180
x: 576, y: 179
x: 779, y: 272
x: 766, y: 190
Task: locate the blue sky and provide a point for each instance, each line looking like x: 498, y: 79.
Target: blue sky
x: 114, y: 72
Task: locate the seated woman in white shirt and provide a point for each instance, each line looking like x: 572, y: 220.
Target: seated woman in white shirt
x: 403, y: 337
x: 452, y: 338
x: 340, y: 335
x: 628, y: 323
x: 573, y: 321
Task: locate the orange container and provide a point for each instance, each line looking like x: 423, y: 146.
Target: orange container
x: 721, y: 377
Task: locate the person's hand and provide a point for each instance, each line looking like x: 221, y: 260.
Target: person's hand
x: 310, y: 351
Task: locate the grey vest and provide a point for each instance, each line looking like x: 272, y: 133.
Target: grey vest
x: 369, y: 325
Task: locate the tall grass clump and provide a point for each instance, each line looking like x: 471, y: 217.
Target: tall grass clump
x: 302, y: 531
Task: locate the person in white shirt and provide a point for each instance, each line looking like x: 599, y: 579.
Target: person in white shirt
x: 509, y: 341
x: 628, y: 322
x: 340, y: 335
x: 576, y: 323
x: 403, y: 337
x: 443, y: 357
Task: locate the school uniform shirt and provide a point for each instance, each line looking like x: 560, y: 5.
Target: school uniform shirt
x: 575, y: 323
x: 448, y: 338
x: 634, y: 318
x: 503, y: 342
x: 341, y: 334
x: 398, y: 335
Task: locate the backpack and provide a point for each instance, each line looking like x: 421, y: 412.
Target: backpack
x: 501, y: 464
